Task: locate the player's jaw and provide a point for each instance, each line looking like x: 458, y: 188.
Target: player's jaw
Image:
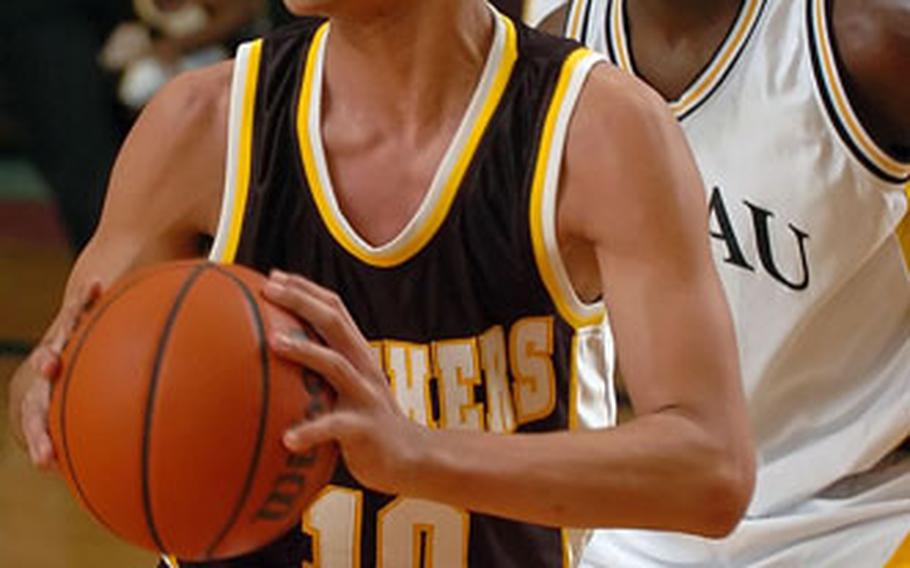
x: 331, y: 7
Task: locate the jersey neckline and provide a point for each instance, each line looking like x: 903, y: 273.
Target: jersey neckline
x: 439, y: 197
x: 715, y: 70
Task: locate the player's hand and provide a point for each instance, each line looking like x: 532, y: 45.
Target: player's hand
x: 30, y: 403
x: 377, y: 440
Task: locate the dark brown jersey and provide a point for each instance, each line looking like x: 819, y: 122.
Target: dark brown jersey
x: 468, y: 309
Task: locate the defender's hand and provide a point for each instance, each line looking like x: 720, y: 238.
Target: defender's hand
x: 30, y: 393
x: 377, y: 441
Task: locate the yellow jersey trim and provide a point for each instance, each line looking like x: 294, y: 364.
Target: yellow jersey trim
x: 838, y: 98
x: 566, y: 548
x: 573, y: 384
x: 560, y: 292
x: 430, y: 223
x: 717, y: 68
x: 576, y: 9
x: 903, y: 230
x: 244, y: 156
x: 901, y: 556
x: 618, y: 35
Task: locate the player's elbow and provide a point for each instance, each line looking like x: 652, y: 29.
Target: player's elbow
x: 727, y: 483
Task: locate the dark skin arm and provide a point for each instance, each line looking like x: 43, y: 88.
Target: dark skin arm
x: 873, y: 40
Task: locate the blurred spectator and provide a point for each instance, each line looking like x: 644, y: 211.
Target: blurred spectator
x: 64, y: 100
x: 171, y: 36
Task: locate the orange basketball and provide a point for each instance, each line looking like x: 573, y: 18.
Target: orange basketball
x: 168, y: 414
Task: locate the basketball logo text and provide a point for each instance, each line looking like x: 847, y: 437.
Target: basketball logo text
x: 289, y: 485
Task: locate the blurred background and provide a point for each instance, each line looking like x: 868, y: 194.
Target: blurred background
x: 74, y: 74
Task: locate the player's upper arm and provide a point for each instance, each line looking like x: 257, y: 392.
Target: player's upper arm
x: 165, y: 188
x: 631, y: 190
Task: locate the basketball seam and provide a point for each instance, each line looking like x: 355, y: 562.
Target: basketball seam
x: 65, y: 386
x: 263, y: 413
x: 150, y: 399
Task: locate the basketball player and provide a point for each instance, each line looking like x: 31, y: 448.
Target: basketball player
x: 429, y: 176
x: 798, y: 112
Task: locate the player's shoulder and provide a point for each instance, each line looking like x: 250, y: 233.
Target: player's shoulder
x: 618, y: 109
x: 194, y: 99
x: 175, y: 154
x: 625, y: 153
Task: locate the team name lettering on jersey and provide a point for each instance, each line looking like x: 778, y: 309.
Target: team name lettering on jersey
x: 491, y: 382
x: 722, y: 229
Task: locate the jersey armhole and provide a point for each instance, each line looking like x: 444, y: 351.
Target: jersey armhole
x: 544, y: 188
x: 837, y: 103
x: 238, y: 162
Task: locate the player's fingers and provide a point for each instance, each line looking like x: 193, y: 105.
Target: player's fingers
x: 70, y: 317
x: 305, y: 436
x: 34, y: 428
x: 328, y: 318
x: 45, y: 361
x: 66, y: 323
x: 338, y: 371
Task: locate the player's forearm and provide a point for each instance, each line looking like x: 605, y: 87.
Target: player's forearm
x: 662, y: 471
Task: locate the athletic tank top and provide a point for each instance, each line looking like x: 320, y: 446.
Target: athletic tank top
x: 807, y: 221
x: 468, y: 309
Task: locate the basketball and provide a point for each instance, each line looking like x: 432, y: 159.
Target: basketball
x: 168, y: 414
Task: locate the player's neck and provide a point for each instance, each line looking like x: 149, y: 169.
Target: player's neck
x: 672, y: 41
x: 409, y: 69
x: 676, y: 20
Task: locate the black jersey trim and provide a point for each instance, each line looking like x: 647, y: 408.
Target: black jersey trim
x: 608, y: 37
x: 575, y: 20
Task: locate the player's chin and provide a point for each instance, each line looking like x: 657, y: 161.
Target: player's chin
x: 356, y: 9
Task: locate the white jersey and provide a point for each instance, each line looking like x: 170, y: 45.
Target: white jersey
x: 809, y: 231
